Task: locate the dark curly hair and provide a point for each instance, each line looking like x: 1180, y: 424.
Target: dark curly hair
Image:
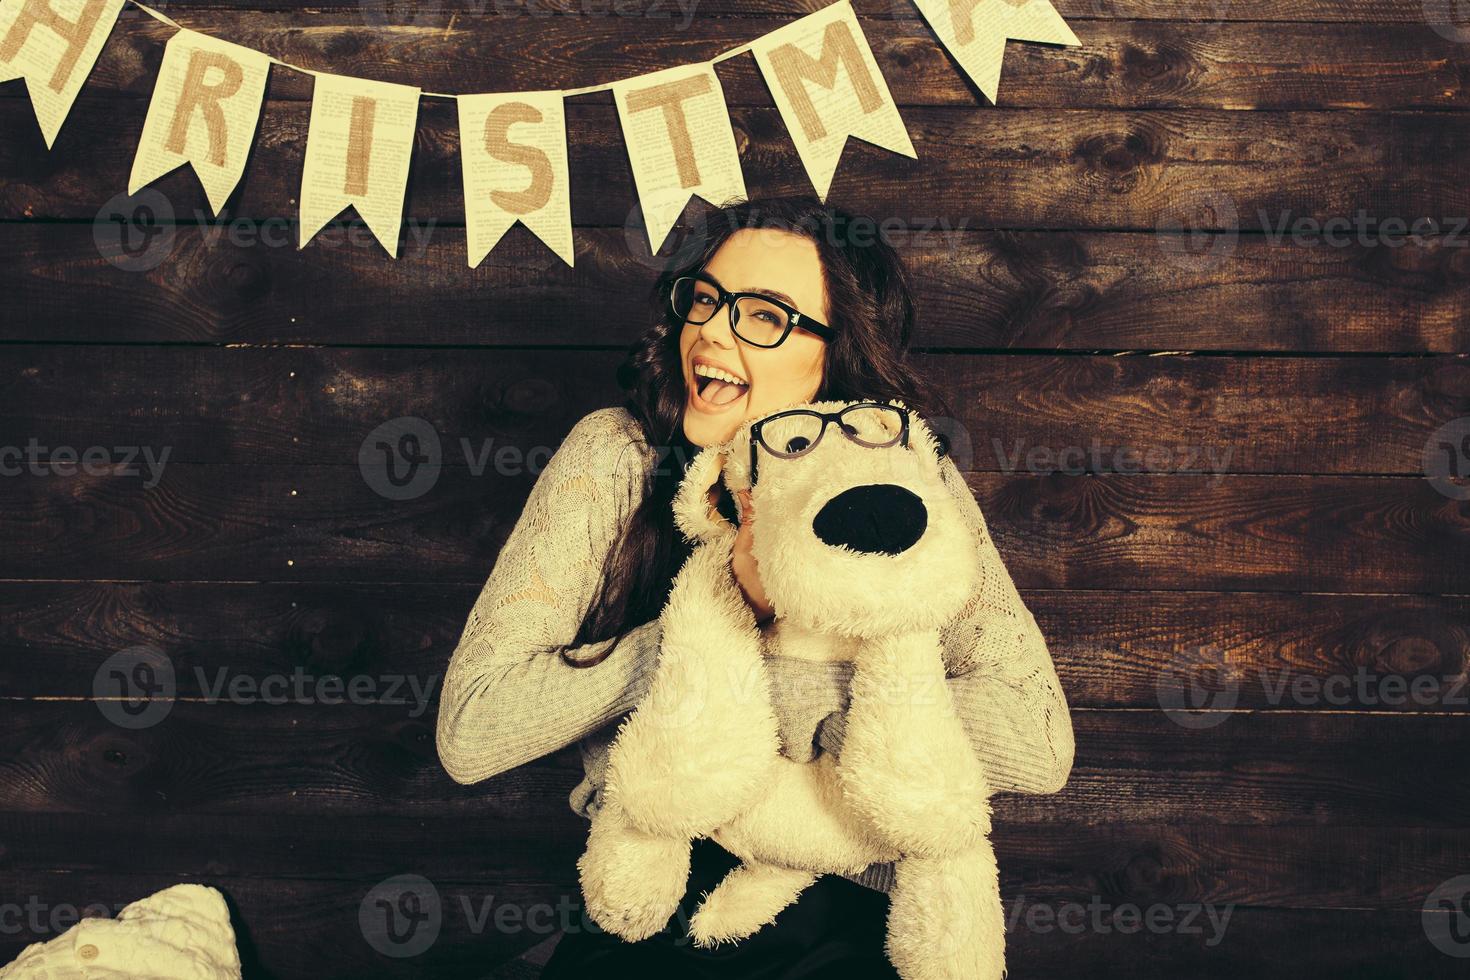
x: 872, y: 310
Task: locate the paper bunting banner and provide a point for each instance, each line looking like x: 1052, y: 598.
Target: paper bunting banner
x: 827, y: 85
x: 975, y: 32
x: 53, y: 45
x: 513, y: 148
x: 205, y: 110
x: 358, y: 147
x: 677, y: 130
x: 207, y: 100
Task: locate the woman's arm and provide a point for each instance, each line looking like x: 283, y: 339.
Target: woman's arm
x: 1009, y: 698
x: 507, y: 699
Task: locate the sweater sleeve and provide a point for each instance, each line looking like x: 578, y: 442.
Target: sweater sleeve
x: 508, y: 697
x: 1006, y: 692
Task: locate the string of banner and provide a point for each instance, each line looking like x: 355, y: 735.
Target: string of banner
x: 207, y: 101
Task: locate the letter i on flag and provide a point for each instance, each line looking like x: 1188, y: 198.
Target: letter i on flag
x: 975, y: 32
x: 205, y: 110
x: 513, y: 148
x: 53, y: 45
x: 827, y: 85
x: 679, y: 141
x: 359, y: 144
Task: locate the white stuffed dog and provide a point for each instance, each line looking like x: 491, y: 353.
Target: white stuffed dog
x: 864, y: 555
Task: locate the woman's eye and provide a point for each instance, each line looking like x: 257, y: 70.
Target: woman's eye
x: 769, y: 316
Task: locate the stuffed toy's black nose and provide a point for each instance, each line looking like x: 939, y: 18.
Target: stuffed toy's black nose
x: 879, y: 518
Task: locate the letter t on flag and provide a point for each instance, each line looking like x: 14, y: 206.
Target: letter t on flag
x: 827, y: 85
x: 975, y: 32
x: 205, y: 110
x: 359, y: 144
x: 679, y: 140
x: 53, y: 45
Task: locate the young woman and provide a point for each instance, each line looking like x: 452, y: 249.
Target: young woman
x: 783, y: 300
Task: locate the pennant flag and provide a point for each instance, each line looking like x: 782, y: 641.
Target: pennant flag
x: 827, y: 85
x: 679, y: 141
x: 53, y: 45
x: 975, y: 32
x: 522, y: 179
x: 358, y: 147
x: 205, y: 110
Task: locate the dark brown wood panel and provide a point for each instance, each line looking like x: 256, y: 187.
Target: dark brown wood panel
x: 1266, y: 665
x: 432, y: 13
x: 327, y: 523
x: 1204, y: 416
x: 292, y: 927
x: 1286, y: 867
x: 1247, y: 532
x: 1042, y: 169
x: 1268, y: 769
x: 246, y: 283
x: 1124, y: 64
x: 1117, y: 649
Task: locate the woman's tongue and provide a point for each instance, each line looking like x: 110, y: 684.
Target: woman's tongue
x: 719, y: 392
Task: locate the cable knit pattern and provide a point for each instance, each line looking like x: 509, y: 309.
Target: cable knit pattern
x: 508, y: 698
x: 182, y: 932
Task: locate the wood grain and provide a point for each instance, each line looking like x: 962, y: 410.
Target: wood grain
x: 209, y: 522
x: 244, y: 283
x: 1109, y: 253
x: 1282, y: 867
x: 295, y: 927
x: 1262, y: 769
x: 505, y: 410
x: 1121, y: 64
x: 1112, y: 649
x: 1211, y: 170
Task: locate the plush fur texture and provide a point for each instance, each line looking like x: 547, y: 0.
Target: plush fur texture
x: 864, y: 556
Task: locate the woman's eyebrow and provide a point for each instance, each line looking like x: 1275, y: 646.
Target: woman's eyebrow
x: 773, y: 294
x: 760, y: 291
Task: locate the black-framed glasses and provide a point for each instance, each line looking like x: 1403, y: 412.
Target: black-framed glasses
x: 757, y: 319
x: 797, y: 431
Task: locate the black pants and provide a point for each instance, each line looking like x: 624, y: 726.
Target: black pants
x: 835, y: 929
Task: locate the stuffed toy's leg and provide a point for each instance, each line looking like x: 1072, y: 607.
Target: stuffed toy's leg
x: 747, y: 898
x: 945, y: 920
x: 699, y: 744
x: 796, y: 830
x: 906, y: 763
x: 692, y: 754
x: 632, y: 881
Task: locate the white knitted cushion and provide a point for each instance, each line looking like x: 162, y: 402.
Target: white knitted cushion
x: 180, y: 933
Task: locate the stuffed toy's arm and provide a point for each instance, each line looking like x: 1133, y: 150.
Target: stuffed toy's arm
x: 1010, y: 700
x: 508, y: 696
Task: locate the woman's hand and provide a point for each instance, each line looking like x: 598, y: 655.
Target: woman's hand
x: 743, y: 564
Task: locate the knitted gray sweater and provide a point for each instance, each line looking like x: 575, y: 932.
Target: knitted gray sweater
x: 507, y: 700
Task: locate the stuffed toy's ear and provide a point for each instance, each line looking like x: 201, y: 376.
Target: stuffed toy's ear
x: 695, y: 513
x: 923, y: 441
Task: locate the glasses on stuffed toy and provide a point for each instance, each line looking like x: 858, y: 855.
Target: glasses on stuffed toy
x: 796, y: 432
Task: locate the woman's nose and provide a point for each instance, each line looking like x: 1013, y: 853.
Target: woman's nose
x: 877, y: 518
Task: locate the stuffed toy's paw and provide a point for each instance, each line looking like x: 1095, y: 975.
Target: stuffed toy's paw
x: 631, y: 881
x: 702, y: 739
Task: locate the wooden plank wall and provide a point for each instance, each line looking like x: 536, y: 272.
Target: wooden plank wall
x: 1283, y: 541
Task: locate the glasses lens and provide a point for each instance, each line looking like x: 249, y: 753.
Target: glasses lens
x: 760, y: 322
x: 873, y: 425
x: 791, y: 435
x: 694, y: 299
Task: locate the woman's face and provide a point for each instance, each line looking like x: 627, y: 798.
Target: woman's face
x: 751, y: 260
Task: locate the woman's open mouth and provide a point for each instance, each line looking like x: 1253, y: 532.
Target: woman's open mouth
x: 717, y: 394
